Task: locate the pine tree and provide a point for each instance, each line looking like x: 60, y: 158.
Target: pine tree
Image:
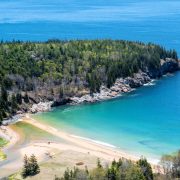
x: 1, y: 118
x: 67, y: 175
x: 34, y: 167
x: 31, y: 166
x: 61, y: 92
x: 26, y: 98
x: 19, y: 98
x: 14, y: 105
x: 26, y: 168
x: 4, y: 99
x: 4, y: 94
x: 145, y: 168
x: 99, y: 163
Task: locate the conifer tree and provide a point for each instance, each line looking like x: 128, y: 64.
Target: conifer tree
x: 4, y: 94
x: 99, y: 163
x: 1, y: 118
x: 145, y: 168
x: 31, y: 166
x: 26, y: 168
x: 26, y: 98
x: 67, y: 175
x: 19, y: 98
x: 34, y: 167
x: 14, y: 105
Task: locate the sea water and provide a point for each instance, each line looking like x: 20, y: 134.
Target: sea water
x: 147, y: 21
x: 143, y: 122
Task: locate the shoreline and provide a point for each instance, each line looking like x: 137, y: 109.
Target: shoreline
x: 80, y: 145
x: 121, y: 87
x: 81, y: 142
x: 45, y: 150
x: 105, y: 150
x: 9, y: 135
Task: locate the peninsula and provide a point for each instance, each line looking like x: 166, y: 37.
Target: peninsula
x: 59, y: 72
x: 36, y: 76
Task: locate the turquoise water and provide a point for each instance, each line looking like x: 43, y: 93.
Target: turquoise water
x: 144, y: 122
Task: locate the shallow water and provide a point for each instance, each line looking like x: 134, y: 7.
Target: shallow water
x: 30, y: 133
x: 143, y: 122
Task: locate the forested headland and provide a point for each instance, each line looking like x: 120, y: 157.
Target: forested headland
x: 56, y: 70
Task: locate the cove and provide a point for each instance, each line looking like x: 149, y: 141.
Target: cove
x: 144, y: 122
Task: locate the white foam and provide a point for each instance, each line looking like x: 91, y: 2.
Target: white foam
x: 152, y: 83
x: 95, y: 141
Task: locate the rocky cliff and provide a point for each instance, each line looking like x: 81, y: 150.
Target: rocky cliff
x: 121, y: 85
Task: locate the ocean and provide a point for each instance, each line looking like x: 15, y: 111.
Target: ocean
x: 137, y: 20
x: 143, y: 122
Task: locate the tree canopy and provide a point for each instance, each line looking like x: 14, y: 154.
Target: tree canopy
x: 67, y: 67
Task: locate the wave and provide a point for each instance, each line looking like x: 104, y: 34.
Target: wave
x: 94, y: 141
x: 152, y: 83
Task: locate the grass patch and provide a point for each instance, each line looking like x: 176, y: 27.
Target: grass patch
x: 3, y: 142
x: 15, y: 177
x: 2, y: 156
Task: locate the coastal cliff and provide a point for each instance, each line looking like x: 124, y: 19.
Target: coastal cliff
x: 121, y: 86
x: 124, y: 85
x: 37, y: 76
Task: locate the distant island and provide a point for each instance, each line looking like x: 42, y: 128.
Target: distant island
x: 75, y: 71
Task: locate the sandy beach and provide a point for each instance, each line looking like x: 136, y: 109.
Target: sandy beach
x: 11, y: 136
x: 79, y: 144
x: 45, y: 151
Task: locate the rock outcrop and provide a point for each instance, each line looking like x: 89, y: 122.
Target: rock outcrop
x: 124, y: 85
x: 41, y: 107
x: 121, y: 85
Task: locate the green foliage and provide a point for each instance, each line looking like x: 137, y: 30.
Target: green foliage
x: 99, y: 163
x: 70, y: 66
x: 4, y: 94
x: 2, y: 155
x: 145, y: 168
x: 134, y: 173
x: 1, y: 118
x: 3, y: 142
x: 31, y: 166
x: 26, y: 98
x: 19, y: 98
x: 95, y: 61
x: 171, y: 165
x: 118, y: 170
x: 74, y: 174
x: 14, y: 105
x: 3, y: 103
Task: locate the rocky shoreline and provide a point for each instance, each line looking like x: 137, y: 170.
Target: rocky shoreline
x: 125, y: 85
x: 121, y: 86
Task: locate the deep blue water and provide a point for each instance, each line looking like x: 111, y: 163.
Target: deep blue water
x: 146, y: 121
x: 147, y: 21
